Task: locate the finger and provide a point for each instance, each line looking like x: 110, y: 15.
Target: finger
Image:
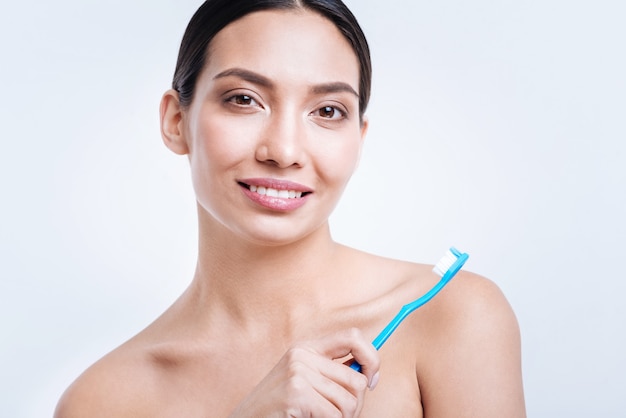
x: 336, y: 387
x: 343, y: 387
x: 306, y: 400
x: 350, y: 341
x: 293, y: 388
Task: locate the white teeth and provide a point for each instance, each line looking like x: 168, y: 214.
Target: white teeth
x: 282, y: 194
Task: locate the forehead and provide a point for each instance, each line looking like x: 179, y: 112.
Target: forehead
x: 285, y: 45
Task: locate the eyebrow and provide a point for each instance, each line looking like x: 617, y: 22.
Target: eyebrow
x: 335, y: 87
x: 246, y: 75
x: 255, y: 78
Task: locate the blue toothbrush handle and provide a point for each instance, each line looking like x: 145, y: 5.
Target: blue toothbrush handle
x: 408, y: 308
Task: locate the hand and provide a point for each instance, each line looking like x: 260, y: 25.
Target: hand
x: 308, y: 382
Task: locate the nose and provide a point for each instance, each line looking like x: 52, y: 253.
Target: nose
x: 282, y: 141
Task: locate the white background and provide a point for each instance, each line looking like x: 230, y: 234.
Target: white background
x: 496, y: 126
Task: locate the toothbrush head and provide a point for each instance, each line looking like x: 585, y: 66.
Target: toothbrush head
x: 450, y: 263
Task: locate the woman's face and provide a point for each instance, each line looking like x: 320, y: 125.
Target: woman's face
x: 273, y: 132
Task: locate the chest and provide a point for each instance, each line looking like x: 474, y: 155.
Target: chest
x: 215, y: 386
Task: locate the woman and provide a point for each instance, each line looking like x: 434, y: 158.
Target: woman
x: 268, y: 104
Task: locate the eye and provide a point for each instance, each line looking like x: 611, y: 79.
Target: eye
x: 242, y: 100
x: 329, y: 112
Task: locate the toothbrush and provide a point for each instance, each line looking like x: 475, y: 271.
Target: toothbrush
x: 447, y: 267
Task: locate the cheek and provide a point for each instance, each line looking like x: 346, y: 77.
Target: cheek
x: 219, y: 144
x: 212, y: 152
x: 340, y: 161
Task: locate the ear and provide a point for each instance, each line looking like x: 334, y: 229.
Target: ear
x: 364, y: 126
x: 172, y: 130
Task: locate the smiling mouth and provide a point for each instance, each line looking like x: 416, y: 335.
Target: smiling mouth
x: 271, y: 192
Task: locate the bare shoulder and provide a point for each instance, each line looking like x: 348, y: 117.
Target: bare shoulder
x: 471, y: 365
x: 463, y: 346
x: 475, y: 301
x: 468, y: 302
x: 470, y: 306
x: 117, y: 385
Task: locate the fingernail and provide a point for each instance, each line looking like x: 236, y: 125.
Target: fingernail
x: 374, y: 381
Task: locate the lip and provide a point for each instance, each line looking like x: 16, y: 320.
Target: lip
x: 276, y: 203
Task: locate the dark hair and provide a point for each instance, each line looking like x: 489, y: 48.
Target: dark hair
x: 214, y: 15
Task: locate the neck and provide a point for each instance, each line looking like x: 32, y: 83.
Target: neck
x: 255, y: 286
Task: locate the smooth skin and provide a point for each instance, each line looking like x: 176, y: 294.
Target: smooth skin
x: 276, y: 307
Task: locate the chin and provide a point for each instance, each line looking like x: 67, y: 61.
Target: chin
x: 273, y: 239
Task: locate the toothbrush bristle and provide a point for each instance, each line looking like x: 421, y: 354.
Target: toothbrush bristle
x: 445, y: 263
